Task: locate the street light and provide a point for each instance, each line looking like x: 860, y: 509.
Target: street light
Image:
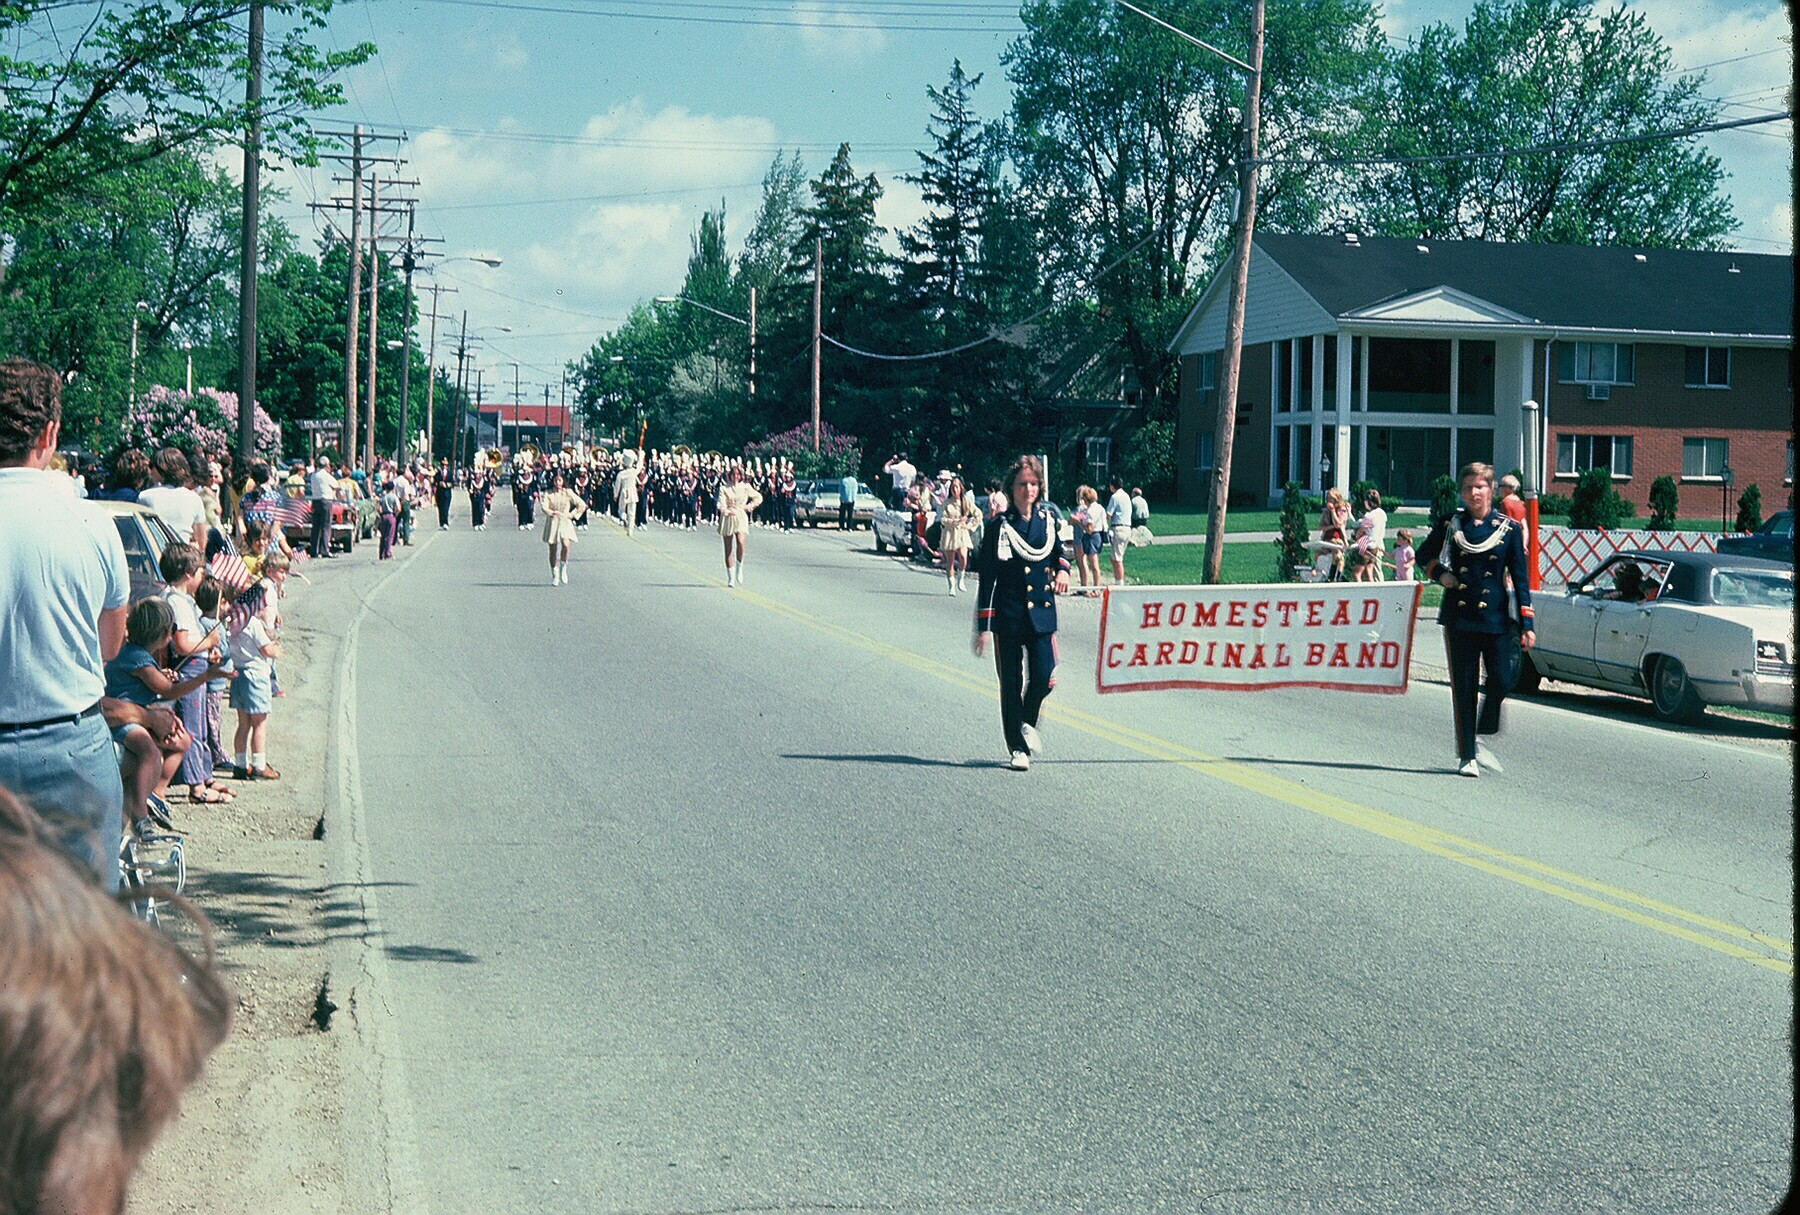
x: 749, y: 321
x: 1725, y: 479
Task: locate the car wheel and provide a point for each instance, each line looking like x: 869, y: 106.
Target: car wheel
x: 1672, y: 692
x: 880, y: 547
x: 1530, y: 678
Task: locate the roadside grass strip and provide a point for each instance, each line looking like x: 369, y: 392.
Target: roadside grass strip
x: 1734, y: 940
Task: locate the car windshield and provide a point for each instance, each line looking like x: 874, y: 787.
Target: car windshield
x: 1753, y: 588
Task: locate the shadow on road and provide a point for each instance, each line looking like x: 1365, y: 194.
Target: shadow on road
x: 913, y: 761
x: 1319, y: 763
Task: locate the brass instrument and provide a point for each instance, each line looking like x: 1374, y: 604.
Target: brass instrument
x: 495, y: 459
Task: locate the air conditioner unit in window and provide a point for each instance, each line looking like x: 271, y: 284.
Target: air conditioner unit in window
x: 1599, y: 392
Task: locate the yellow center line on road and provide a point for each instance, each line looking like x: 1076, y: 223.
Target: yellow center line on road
x: 1760, y: 949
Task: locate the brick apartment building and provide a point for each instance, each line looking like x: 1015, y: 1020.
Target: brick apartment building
x: 1399, y: 360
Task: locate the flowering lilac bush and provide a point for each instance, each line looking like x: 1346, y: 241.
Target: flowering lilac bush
x: 838, y: 453
x: 207, y: 419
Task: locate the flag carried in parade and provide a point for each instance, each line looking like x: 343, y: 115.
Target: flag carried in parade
x: 292, y: 512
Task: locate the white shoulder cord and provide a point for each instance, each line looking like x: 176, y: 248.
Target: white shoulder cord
x: 1011, y: 542
x: 1494, y: 540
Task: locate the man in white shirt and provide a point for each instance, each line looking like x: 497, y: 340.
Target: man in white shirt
x: 322, y: 488
x: 1118, y: 527
x: 64, y: 591
x: 901, y: 473
x: 175, y: 499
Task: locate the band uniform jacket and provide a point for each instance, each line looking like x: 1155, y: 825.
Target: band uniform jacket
x: 1019, y: 595
x: 1479, y: 601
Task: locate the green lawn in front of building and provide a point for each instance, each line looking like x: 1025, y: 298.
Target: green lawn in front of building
x: 1183, y: 565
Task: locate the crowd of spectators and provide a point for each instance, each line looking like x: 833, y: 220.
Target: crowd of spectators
x: 104, y: 1021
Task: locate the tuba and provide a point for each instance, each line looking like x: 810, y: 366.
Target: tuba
x: 494, y: 459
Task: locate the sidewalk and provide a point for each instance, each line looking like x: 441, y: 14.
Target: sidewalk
x: 261, y: 1130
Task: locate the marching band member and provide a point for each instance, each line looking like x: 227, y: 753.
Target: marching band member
x: 561, y: 507
x: 524, y: 490
x: 1471, y: 554
x: 443, y: 488
x: 625, y: 490
x: 1020, y: 573
x: 736, y: 501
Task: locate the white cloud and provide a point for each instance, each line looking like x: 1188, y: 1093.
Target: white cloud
x: 830, y: 32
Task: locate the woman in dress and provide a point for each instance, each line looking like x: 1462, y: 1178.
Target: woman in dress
x: 956, y: 522
x: 561, y: 506
x: 737, y: 499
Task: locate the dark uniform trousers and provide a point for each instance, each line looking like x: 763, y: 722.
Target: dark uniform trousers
x: 1026, y: 662
x: 1470, y: 654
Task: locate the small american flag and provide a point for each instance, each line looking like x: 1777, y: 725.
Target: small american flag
x: 230, y: 571
x: 243, y: 607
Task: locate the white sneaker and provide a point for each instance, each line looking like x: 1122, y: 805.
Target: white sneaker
x: 1470, y: 769
x: 1486, y: 759
x: 1020, y: 762
x: 1034, y: 742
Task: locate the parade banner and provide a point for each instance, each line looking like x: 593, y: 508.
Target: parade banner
x: 1350, y: 636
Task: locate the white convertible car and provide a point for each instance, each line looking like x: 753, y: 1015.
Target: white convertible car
x: 1686, y: 630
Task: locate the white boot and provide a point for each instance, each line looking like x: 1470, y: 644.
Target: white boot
x: 731, y: 575
x: 740, y: 569
x: 555, y: 576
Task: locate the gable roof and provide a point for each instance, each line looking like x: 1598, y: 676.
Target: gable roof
x: 1558, y: 286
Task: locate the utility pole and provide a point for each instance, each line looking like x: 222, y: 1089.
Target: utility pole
x: 818, y: 304
x: 431, y: 377
x: 246, y: 436
x: 355, y: 323
x: 406, y: 342
x: 374, y: 323
x: 462, y: 396
x: 353, y: 318
x: 1234, y: 320
x: 518, y: 423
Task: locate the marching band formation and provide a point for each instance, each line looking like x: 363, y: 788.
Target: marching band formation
x: 679, y: 488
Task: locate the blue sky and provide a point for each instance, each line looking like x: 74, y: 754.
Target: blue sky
x: 580, y: 140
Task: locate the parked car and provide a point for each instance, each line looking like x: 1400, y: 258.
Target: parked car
x: 895, y: 529
x: 818, y: 502
x: 1773, y: 540
x: 1686, y: 630
x: 345, y: 522
x: 145, y: 536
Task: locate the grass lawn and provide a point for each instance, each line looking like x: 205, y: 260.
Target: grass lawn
x: 1183, y: 564
x: 1170, y: 521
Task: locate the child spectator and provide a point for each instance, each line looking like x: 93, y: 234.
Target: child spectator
x: 1403, y: 555
x: 138, y: 677
x: 1090, y: 537
x: 207, y: 599
x: 191, y: 651
x: 253, y: 649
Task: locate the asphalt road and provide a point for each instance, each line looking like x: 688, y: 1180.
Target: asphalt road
x: 688, y: 899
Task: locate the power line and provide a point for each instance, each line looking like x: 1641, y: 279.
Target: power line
x: 1579, y: 145
x: 790, y: 23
